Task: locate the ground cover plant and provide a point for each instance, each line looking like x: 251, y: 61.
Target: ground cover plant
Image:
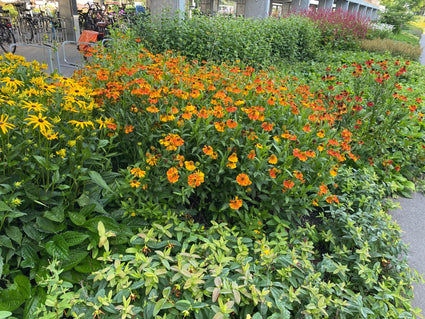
x: 157, y: 186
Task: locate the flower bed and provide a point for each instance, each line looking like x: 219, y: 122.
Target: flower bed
x: 167, y: 186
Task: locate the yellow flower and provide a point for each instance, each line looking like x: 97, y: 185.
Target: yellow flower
x: 134, y: 183
x: 81, y: 123
x: 50, y: 135
x: 4, y: 125
x: 61, y: 152
x: 39, y: 121
x: 137, y: 172
x: 189, y: 165
x: 11, y: 83
x: 33, y: 106
x: 272, y: 159
x: 72, y: 143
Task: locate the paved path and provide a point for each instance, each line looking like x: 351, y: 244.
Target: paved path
x: 411, y: 219
x: 60, y: 58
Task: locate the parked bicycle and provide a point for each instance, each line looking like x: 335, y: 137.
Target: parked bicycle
x: 24, y: 22
x: 7, y: 38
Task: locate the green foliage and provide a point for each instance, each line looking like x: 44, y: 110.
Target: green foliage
x: 228, y: 39
x: 396, y: 14
x: 123, y: 199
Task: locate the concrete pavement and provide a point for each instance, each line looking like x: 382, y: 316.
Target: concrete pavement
x: 411, y: 219
x: 63, y: 57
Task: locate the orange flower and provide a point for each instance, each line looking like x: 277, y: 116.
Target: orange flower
x: 298, y: 175
x: 173, y: 175
x: 301, y: 155
x: 128, y: 129
x: 220, y: 126
x: 233, y: 158
x: 137, y: 172
x: 134, y: 183
x: 231, y: 124
x: 323, y: 189
x: 171, y: 142
x: 272, y: 159
x: 208, y: 150
x: 251, y: 154
x: 288, y: 184
x: 195, y: 179
x: 243, y: 180
x: 235, y: 203
x: 321, y: 133
x: 273, y: 171
x: 152, y: 160
x: 332, y: 199
x: 267, y: 126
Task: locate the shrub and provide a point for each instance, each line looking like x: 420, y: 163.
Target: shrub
x: 223, y: 38
x: 396, y: 48
x: 340, y: 29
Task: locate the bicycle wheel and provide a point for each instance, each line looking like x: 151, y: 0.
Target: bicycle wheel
x: 26, y: 30
x: 6, y: 39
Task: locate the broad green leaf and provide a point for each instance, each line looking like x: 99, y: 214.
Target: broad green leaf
x: 58, y: 247
x: 4, y: 207
x: 57, y: 214
x: 183, y: 305
x: 98, y: 179
x: 74, y: 238
x: 33, y: 233
x: 5, y: 314
x: 158, y: 306
x: 5, y: 241
x: 75, y: 257
x: 29, y: 254
x: 1, y: 265
x: 38, y: 298
x: 24, y: 286
x: 14, y: 233
x: 77, y: 218
x: 49, y: 226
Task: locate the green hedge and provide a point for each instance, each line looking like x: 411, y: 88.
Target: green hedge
x: 223, y: 38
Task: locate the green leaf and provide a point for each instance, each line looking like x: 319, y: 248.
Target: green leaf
x: 49, y: 226
x: 77, y: 218
x: 57, y: 214
x: 58, y: 247
x: 38, y: 298
x: 15, y: 295
x: 98, y: 179
x: 14, y: 233
x: 29, y: 253
x: 183, y: 305
x: 5, y: 241
x: 5, y: 314
x: 75, y: 258
x: 74, y: 238
x: 1, y: 266
x: 33, y: 233
x: 23, y: 285
x: 4, y: 207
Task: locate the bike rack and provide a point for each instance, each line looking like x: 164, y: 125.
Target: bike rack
x: 65, y: 59
x: 74, y: 65
x: 47, y: 47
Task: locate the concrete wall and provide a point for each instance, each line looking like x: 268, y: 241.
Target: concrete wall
x: 300, y: 5
x: 257, y: 9
x: 325, y: 4
x: 158, y: 7
x: 68, y: 11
